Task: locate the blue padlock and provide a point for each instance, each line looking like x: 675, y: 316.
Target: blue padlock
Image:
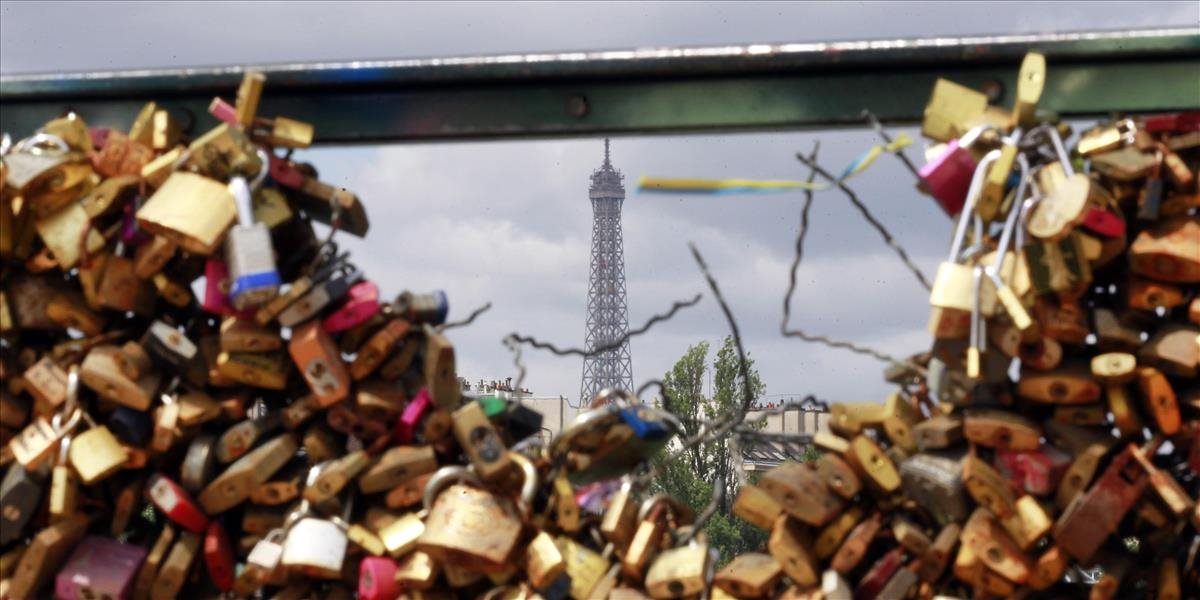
x: 130, y: 426
x: 643, y: 424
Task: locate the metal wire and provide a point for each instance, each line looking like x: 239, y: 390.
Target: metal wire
x: 791, y: 289
x: 866, y: 213
x: 552, y: 348
x: 467, y: 321
x: 899, y: 152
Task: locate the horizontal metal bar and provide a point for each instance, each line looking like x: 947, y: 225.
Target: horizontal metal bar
x: 668, y: 90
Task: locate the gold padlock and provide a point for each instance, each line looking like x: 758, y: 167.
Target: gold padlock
x: 471, y: 526
x: 192, y: 210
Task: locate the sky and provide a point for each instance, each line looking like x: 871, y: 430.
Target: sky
x: 510, y: 223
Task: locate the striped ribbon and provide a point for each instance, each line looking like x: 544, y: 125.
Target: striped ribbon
x: 696, y: 185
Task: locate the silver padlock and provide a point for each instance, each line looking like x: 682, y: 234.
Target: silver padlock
x: 323, y: 294
x: 251, y: 259
x: 313, y: 546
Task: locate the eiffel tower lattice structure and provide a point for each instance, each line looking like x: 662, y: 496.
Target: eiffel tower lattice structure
x: 607, y: 310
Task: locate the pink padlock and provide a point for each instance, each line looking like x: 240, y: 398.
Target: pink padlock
x: 1102, y: 222
x: 284, y: 172
x: 223, y: 111
x: 362, y: 302
x: 406, y: 427
x: 216, y: 290
x: 377, y: 579
x: 99, y: 567
x: 948, y: 176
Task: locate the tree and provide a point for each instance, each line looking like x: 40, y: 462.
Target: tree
x: 690, y: 477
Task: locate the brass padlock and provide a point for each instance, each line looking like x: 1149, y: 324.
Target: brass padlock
x: 481, y: 442
x: 801, y: 492
x: 749, y: 575
x: 679, y: 572
x: 789, y: 544
x: 191, y: 210
x: 471, y: 526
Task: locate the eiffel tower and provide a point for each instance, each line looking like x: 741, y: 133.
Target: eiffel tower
x: 607, y: 311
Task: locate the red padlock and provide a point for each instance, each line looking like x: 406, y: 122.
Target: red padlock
x: 1102, y: 222
x: 377, y: 579
x: 410, y: 419
x: 1182, y: 122
x: 174, y: 502
x: 1033, y: 471
x: 362, y: 302
x: 218, y: 556
x: 948, y: 176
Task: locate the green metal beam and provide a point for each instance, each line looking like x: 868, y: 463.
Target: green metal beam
x: 671, y: 90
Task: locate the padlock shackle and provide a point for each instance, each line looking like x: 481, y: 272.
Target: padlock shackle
x: 37, y: 143
x: 443, y: 478
x: 529, y: 484
x: 973, y: 192
x: 1013, y: 212
x: 1061, y: 151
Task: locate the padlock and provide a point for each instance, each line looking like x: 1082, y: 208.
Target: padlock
x: 191, y: 210
x: 1094, y: 515
x: 543, y: 561
x: 244, y: 335
x: 935, y: 482
x: 64, y: 485
x: 173, y: 574
x: 440, y: 376
x: 101, y: 372
x: 471, y: 526
x: 199, y: 463
x: 238, y: 439
x: 221, y: 153
x: 318, y: 359
x: 396, y: 465
x: 44, y: 555
x: 261, y: 563
x: 69, y: 235
x: 253, y: 278
x: 218, y: 556
x: 831, y: 535
x: 234, y: 485
x: 96, y: 453
x: 321, y: 201
x: 950, y: 108
x: 335, y: 475
x: 953, y: 284
x: 679, y: 572
x: 313, y: 546
x: 948, y: 176
x: 789, y: 544
x: 1160, y: 400
x: 176, y: 504
x: 481, y: 442
x: 1000, y: 429
x: 877, y: 470
x: 377, y: 579
x: 99, y: 567
x: 20, y: 493
x: 1066, y: 196
x: 749, y: 575
x: 802, y: 493
x: 362, y: 302
x: 585, y: 569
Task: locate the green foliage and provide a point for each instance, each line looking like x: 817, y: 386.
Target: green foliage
x: 690, y: 476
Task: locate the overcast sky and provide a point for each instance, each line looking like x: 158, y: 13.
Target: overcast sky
x: 510, y: 222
